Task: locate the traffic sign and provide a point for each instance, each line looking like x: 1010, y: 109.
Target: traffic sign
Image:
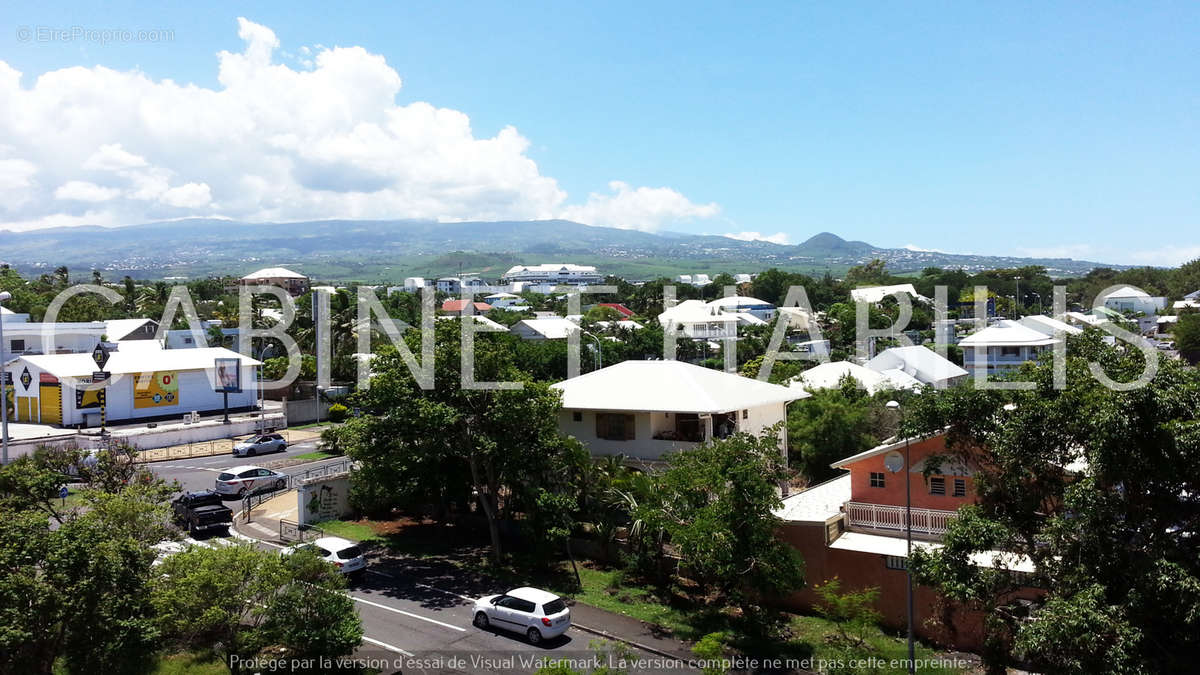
x: 63, y: 492
x: 100, y: 355
x: 99, y: 376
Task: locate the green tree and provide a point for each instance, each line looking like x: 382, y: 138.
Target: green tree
x: 716, y: 504
x: 451, y: 444
x: 831, y: 425
x: 1113, y: 540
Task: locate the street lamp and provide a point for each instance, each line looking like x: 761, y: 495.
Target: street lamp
x: 599, y: 353
x: 1039, y: 300
x: 4, y: 297
x: 895, y: 405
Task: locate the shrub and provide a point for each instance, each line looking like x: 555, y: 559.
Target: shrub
x: 338, y: 412
x: 853, y: 612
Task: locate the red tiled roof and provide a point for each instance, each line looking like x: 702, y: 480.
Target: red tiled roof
x: 459, y: 305
x: 625, y: 311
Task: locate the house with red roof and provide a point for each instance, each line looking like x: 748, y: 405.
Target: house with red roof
x: 624, y: 311
x: 459, y: 307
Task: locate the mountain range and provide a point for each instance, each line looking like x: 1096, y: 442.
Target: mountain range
x: 389, y: 250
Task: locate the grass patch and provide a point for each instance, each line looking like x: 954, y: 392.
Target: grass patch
x: 315, y: 455
x: 355, y: 530
x: 311, y: 425
x: 189, y: 663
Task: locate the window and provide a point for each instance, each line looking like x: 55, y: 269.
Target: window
x: 614, y: 427
x: 577, y: 417
x: 1010, y: 351
x: 937, y: 485
x: 518, y: 604
x: 554, y: 607
x: 187, y: 341
x: 960, y: 487
x: 745, y: 414
x: 895, y: 562
x: 877, y: 479
x: 18, y: 346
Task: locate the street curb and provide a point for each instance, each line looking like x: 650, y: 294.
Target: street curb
x: 632, y: 643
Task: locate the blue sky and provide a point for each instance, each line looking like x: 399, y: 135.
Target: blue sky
x: 1009, y: 128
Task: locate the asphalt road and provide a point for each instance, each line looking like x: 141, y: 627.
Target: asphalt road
x: 408, y: 626
x: 200, y: 473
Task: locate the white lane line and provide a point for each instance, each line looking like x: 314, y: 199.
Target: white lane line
x: 417, y: 583
x: 386, y: 645
x: 410, y: 614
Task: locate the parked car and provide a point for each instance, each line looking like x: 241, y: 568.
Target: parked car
x: 342, y: 553
x: 201, y: 510
x: 258, y: 445
x: 536, y: 614
x: 245, y: 480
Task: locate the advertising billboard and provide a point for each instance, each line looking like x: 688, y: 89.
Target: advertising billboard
x: 153, y: 390
x: 228, y: 375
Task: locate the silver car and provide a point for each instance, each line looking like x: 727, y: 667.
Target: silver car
x: 258, y: 445
x: 244, y: 480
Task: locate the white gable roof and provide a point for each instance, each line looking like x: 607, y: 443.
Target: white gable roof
x: 274, y: 273
x: 551, y: 329
x: 142, y: 360
x: 117, y: 329
x: 874, y: 294
x: 1047, y: 325
x: 669, y: 386
x: 1007, y: 333
x: 921, y: 363
x: 830, y: 375
x: 1126, y: 292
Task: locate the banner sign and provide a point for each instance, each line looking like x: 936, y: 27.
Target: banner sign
x: 153, y: 390
x: 88, y: 398
x: 228, y: 375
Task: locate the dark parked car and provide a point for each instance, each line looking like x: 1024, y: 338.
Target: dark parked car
x: 201, y: 510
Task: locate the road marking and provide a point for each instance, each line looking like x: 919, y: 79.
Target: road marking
x: 417, y: 583
x: 400, y: 611
x: 386, y: 645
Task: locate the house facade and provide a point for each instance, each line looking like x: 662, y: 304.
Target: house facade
x: 647, y: 409
x: 553, y: 273
x: 294, y: 283
x: 853, y: 527
x: 1004, y: 346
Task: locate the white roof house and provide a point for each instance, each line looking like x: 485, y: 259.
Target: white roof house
x: 744, y: 304
x: 120, y: 329
x: 1084, y: 319
x: 1007, y: 333
x: 817, y: 504
x: 705, y: 320
x: 830, y: 376
x: 1186, y: 304
x: 273, y: 273
x: 645, y: 409
x: 138, y: 360
x: 669, y: 386
x: 1130, y: 299
x: 544, y: 329
x: 921, y: 363
x: 874, y: 294
x: 1048, y: 326
x: 480, y: 320
x: 1004, y: 346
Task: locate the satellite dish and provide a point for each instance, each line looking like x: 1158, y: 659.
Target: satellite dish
x: 894, y: 461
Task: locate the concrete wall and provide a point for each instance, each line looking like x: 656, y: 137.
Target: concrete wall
x: 210, y: 430
x: 195, y: 393
x: 305, y: 411
x: 324, y: 498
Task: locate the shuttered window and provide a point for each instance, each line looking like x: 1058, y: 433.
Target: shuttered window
x: 614, y: 427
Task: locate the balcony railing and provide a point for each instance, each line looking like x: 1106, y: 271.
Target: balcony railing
x: 930, y: 522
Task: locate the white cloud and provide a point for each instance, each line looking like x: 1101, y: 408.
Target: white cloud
x: 113, y: 157
x: 642, y: 208
x: 278, y: 142
x: 917, y: 249
x: 83, y: 191
x: 1168, y: 256
x: 777, y: 238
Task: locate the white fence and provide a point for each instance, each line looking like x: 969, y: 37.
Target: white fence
x: 931, y: 522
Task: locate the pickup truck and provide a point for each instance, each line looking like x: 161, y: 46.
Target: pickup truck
x: 201, y: 510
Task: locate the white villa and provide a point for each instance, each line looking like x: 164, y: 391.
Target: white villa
x: 712, y: 320
x: 645, y: 409
x: 1130, y: 299
x: 544, y: 329
x: 1004, y: 346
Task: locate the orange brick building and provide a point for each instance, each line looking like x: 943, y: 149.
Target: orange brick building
x: 853, y: 527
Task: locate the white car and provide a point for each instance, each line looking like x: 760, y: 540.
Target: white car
x: 259, y: 445
x: 536, y: 614
x: 245, y: 480
x: 343, y: 553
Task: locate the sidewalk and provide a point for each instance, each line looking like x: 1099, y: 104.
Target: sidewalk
x: 264, y: 518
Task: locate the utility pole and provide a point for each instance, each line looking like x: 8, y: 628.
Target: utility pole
x: 4, y: 376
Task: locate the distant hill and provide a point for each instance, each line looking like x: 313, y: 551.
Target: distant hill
x: 389, y: 250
